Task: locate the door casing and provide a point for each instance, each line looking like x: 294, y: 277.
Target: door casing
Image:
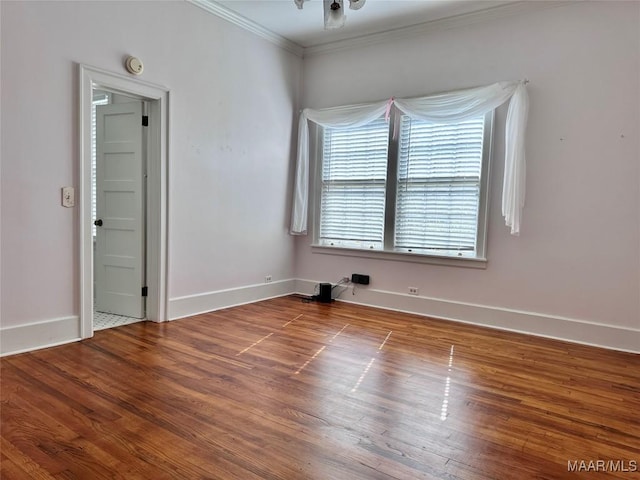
x: 157, y: 96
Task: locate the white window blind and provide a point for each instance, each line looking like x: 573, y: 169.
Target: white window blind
x: 406, y: 186
x: 438, y: 191
x: 98, y: 99
x: 354, y: 172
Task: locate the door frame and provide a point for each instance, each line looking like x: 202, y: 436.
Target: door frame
x: 157, y: 96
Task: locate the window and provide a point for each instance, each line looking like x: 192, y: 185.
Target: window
x: 405, y: 186
x: 354, y: 177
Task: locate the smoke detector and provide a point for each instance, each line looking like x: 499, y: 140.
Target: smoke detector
x: 134, y: 65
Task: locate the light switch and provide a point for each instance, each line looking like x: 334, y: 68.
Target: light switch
x: 68, y: 197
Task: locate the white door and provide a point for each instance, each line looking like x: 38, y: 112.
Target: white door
x: 119, y: 261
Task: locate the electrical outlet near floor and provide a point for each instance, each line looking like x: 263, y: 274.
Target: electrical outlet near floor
x: 267, y: 279
x: 413, y: 290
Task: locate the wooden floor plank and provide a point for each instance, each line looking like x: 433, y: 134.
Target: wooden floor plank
x: 283, y: 389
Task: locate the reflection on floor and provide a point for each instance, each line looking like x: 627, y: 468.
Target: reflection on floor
x: 102, y: 321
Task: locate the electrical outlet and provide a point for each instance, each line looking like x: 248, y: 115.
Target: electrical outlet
x: 413, y: 290
x: 267, y: 279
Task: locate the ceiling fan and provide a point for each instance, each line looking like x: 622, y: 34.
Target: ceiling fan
x: 334, y: 16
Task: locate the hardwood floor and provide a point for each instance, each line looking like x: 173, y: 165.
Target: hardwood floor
x: 288, y: 390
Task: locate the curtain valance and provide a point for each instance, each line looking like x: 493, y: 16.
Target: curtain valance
x: 440, y: 108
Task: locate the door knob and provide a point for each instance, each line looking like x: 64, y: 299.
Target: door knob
x: 98, y: 223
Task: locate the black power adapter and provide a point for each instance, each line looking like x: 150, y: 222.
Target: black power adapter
x: 360, y: 279
x: 324, y: 293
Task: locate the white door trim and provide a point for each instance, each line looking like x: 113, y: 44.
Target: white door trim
x: 157, y: 188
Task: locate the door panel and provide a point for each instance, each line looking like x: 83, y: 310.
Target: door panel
x: 119, y: 265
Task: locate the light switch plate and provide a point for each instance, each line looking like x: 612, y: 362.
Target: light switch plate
x: 68, y: 197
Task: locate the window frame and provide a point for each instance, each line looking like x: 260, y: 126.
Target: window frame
x: 389, y: 252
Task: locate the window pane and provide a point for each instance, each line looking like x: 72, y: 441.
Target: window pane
x: 439, y: 169
x: 353, y: 215
x: 356, y: 153
x: 354, y: 171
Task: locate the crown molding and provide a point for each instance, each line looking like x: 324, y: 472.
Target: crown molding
x: 455, y: 21
x: 242, y: 22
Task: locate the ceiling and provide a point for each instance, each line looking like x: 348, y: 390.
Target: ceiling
x: 305, y: 27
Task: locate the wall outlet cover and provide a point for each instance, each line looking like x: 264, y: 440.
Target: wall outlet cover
x: 68, y: 197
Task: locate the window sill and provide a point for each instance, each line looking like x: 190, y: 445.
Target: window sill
x: 480, y: 263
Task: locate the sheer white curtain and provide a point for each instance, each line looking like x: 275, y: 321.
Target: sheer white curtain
x: 440, y: 108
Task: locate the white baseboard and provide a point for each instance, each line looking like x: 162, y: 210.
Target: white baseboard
x: 207, y: 302
x: 37, y: 335
x: 531, y: 323
x: 50, y: 333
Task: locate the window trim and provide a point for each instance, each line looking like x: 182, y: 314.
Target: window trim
x: 388, y: 253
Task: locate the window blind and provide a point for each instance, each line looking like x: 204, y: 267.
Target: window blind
x: 438, y: 191
x: 354, y: 172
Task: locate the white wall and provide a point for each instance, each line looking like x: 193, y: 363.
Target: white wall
x: 577, y: 257
x: 233, y: 103
x: 233, y: 97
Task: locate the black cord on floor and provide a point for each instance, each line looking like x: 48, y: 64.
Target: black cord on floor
x: 305, y: 298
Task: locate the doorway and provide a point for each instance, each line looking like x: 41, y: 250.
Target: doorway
x: 126, y: 196
x: 118, y: 208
